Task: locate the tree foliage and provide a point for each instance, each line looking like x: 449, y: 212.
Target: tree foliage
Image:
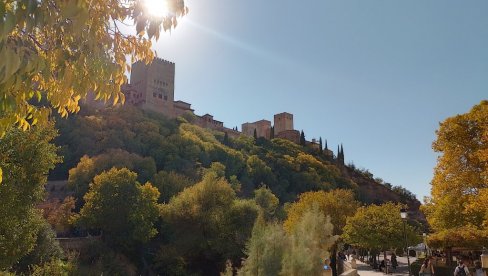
x: 460, y: 187
x: 123, y: 209
x: 170, y: 184
x: 265, y: 250
x: 466, y: 236
x: 272, y: 251
x: 59, y: 51
x: 89, y: 167
x: 58, y: 213
x: 124, y: 128
x: 337, y: 204
x: 378, y: 227
x: 207, y: 224
x: 26, y: 158
x: 45, y: 250
x: 310, y: 242
x: 267, y: 202
x: 283, y: 166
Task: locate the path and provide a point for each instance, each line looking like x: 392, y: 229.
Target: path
x: 402, y: 269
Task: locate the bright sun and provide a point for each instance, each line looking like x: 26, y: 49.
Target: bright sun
x: 157, y: 8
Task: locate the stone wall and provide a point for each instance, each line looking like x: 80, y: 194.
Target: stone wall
x: 283, y: 122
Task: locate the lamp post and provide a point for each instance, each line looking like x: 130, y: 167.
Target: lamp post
x: 403, y: 214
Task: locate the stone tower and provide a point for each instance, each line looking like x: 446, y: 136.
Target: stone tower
x: 262, y: 127
x: 156, y: 84
x: 283, y: 122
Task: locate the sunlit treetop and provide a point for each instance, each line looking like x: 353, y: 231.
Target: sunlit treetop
x: 53, y: 52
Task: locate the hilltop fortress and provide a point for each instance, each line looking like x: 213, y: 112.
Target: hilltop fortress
x: 152, y: 87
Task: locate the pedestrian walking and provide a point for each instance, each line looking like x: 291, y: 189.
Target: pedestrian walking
x: 461, y: 269
x: 427, y: 269
x: 394, y: 262
x: 478, y: 270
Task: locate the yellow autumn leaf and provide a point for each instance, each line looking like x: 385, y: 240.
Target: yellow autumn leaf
x: 81, y: 54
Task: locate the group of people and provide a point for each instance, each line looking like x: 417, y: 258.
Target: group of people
x: 462, y: 270
x: 427, y: 269
x: 393, y: 261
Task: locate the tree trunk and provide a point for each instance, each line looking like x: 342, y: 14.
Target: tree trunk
x: 449, y: 256
x: 333, y: 260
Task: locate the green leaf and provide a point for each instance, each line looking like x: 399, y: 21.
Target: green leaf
x: 12, y: 62
x: 9, y: 23
x: 71, y: 10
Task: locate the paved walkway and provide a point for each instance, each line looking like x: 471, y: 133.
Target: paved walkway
x: 402, y: 269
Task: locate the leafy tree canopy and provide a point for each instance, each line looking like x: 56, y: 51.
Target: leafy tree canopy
x: 378, y: 227
x: 170, y: 184
x: 26, y: 158
x: 265, y: 250
x: 122, y: 208
x: 337, y: 204
x: 187, y: 149
x: 466, y: 236
x: 88, y: 168
x: 208, y: 224
x: 272, y: 251
x: 460, y: 184
x: 59, y: 51
x: 267, y: 202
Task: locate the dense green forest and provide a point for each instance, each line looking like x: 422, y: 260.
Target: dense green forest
x: 164, y: 196
x: 148, y: 143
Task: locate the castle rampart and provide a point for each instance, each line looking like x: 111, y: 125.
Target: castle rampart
x: 152, y: 87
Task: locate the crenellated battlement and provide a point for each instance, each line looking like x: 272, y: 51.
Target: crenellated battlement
x: 163, y: 61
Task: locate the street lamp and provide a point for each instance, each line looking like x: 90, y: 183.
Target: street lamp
x: 404, y: 214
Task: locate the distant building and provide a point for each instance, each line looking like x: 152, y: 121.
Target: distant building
x: 283, y: 122
x: 313, y: 144
x: 283, y: 128
x: 132, y: 96
x: 291, y: 135
x: 152, y: 87
x: 182, y: 107
x: 262, y: 127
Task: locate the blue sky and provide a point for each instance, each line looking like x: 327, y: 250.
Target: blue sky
x: 377, y: 76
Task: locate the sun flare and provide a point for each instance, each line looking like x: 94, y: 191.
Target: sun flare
x: 157, y: 8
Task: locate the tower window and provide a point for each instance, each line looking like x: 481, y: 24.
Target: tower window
x: 165, y: 98
x: 160, y: 96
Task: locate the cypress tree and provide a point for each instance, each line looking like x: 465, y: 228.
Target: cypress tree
x: 342, y: 154
x: 226, y: 139
x: 255, y: 134
x: 302, y: 139
x: 320, y: 146
x: 326, y: 145
x: 271, y: 133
